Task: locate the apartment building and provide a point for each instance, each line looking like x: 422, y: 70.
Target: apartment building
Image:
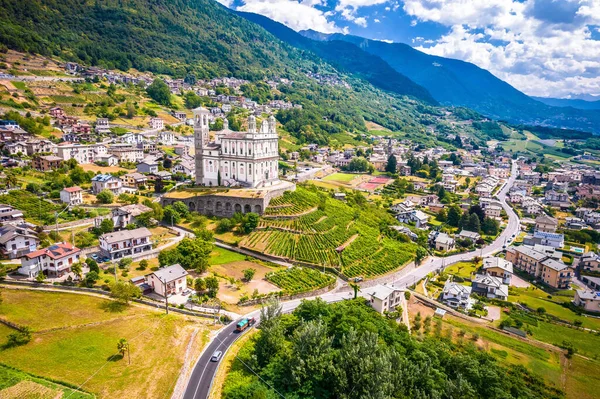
x: 82, y: 153
x: 106, y: 182
x: 46, y: 162
x: 125, y: 243
x: 127, y: 153
x: 540, y: 265
x: 556, y: 274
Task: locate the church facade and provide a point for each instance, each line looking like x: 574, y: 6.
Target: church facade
x: 236, y: 159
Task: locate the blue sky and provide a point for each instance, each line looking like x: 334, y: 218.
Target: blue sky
x: 547, y: 48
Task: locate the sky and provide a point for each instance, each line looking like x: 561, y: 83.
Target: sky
x: 546, y: 48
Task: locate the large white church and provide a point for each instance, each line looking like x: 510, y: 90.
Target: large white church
x: 244, y: 159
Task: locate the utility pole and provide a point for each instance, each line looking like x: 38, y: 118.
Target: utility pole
x: 165, y: 294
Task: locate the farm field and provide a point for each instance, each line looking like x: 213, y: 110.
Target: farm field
x: 15, y: 384
x: 317, y: 237
x: 299, y: 279
x: 341, y: 177
x: 75, y: 340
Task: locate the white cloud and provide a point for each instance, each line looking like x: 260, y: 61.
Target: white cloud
x: 543, y: 49
x: 297, y: 16
x: 226, y: 3
x: 376, y: 21
x: 361, y: 21
x: 385, y: 40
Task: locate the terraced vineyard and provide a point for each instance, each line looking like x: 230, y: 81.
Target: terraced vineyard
x: 314, y: 236
x: 299, y: 279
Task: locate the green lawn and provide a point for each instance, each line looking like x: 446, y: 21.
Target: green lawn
x: 340, y: 177
x: 462, y: 269
x: 19, y: 85
x: 220, y: 256
x: 83, y: 343
x: 583, y: 378
x: 586, y: 343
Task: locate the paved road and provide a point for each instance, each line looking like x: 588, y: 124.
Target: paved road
x: 505, y: 238
x: 204, y: 371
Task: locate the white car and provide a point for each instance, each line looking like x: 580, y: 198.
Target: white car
x: 216, y: 356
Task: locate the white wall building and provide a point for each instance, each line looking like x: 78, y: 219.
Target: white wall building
x: 82, y: 153
x: 56, y: 260
x: 248, y: 159
x: 169, y: 280
x: 384, y: 298
x: 72, y: 195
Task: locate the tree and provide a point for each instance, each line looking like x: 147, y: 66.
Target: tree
x: 420, y: 254
x: 76, y: 269
x: 143, y: 264
x: 90, y: 279
x: 248, y: 274
x: 123, y: 292
x: 107, y: 226
x: 392, y: 164
x: 223, y: 226
x: 473, y: 223
x: 199, y: 285
x: 212, y: 284
x: 441, y: 216
x: 84, y: 239
x: 125, y: 262
x: 105, y: 197
x: 250, y: 222
x: 171, y: 216
x: 181, y: 208
x: 159, y: 92
x: 122, y: 347
x: 454, y: 214
x: 490, y: 226
x: 190, y: 253
x: 476, y: 209
x: 93, y: 265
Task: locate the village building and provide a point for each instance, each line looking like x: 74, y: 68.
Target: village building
x: 588, y: 300
x: 134, y: 180
x: 384, y: 298
x: 590, y: 262
x: 443, y: 242
x: 46, y: 162
x: 82, y: 153
x: 456, y: 295
x: 490, y: 287
x: 169, y: 280
x: 147, y: 166
x: 102, y: 126
x: 10, y: 215
x: 540, y: 264
x: 469, y: 235
x: 106, y: 182
x: 498, y: 267
x: 545, y: 223
x: 71, y: 195
x: 125, y: 215
x: 125, y: 243
x: 127, y: 153
x: 55, y: 261
x: 156, y: 123
x: 17, y: 241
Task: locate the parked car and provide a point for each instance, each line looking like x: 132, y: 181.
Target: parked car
x: 358, y: 279
x: 216, y: 356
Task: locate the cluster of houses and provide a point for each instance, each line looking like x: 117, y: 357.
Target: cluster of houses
x: 491, y: 281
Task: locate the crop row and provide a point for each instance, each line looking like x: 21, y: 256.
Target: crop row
x: 299, y: 279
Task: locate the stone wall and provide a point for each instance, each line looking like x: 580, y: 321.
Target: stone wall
x: 219, y: 205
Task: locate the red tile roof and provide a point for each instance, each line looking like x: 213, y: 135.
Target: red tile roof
x: 56, y: 251
x: 72, y: 189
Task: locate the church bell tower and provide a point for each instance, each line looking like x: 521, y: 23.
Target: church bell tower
x: 201, y: 129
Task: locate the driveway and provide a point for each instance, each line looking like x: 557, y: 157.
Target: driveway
x: 493, y: 313
x: 518, y: 282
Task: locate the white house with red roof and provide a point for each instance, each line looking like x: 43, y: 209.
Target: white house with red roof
x: 55, y: 261
x: 72, y: 195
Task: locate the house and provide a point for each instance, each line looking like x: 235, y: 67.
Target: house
x: 46, y: 162
x: 490, y: 287
x: 493, y: 211
x: 55, y: 261
x: 384, y: 298
x: 574, y: 223
x: 185, y: 167
x: 15, y: 148
x: 546, y: 224
x: 556, y: 197
x: 134, y: 180
x: 469, y: 235
x: 125, y: 243
x: 556, y: 274
x: 125, y: 215
x: 436, y: 207
x: 166, y: 137
x: 33, y: 147
x: 405, y: 230
x: 443, y: 242
x: 156, y: 123
x: 106, y: 182
x: 182, y: 150
x: 168, y: 280
x: 180, y: 115
x: 542, y: 238
x: 590, y: 262
x: 10, y: 215
x: 57, y: 112
x: 102, y: 126
x: 108, y: 159
x: 17, y: 241
x: 127, y: 153
x: 161, y: 175
x: 498, y: 267
x: 592, y: 282
x: 82, y: 153
x: 147, y: 166
x: 456, y: 295
x: 71, y: 195
x: 589, y: 300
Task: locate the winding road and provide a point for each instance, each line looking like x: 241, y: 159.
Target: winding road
x: 199, y: 384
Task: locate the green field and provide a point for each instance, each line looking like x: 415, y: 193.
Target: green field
x: 17, y: 384
x: 331, y: 233
x: 221, y: 256
x: 299, y: 279
x: 341, y: 177
x: 75, y: 340
x: 462, y: 269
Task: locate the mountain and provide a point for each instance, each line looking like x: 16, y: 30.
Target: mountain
x: 348, y: 58
x: 566, y: 102
x: 460, y: 83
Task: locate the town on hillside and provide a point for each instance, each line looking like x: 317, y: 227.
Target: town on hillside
x: 200, y: 199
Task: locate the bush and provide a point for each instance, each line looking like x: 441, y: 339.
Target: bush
x: 105, y: 197
x: 143, y: 265
x: 22, y: 337
x: 224, y: 226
